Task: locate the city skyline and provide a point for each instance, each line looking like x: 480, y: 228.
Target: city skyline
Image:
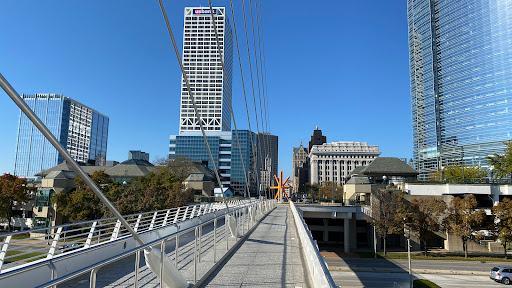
x: 92, y: 67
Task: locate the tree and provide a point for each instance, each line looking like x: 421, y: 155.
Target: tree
x: 388, y: 212
x: 503, y: 222
x: 463, y: 220
x: 331, y: 190
x: 425, y: 217
x: 313, y: 189
x: 82, y: 204
x: 502, y: 163
x: 458, y: 173
x: 13, y: 190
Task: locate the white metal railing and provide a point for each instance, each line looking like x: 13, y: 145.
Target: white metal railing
x: 246, y: 213
x: 48, y: 242
x: 318, y: 272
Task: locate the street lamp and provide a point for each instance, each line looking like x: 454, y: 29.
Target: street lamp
x: 374, y: 240
x: 408, y: 233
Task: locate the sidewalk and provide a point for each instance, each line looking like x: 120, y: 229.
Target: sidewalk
x: 270, y: 257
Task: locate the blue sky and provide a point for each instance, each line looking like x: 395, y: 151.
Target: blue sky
x: 341, y: 65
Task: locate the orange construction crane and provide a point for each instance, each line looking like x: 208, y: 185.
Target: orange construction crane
x: 280, y: 187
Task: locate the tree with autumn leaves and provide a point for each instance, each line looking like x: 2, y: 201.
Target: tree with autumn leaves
x: 13, y: 190
x: 464, y: 220
x: 160, y: 189
x: 388, y: 212
x: 502, y: 225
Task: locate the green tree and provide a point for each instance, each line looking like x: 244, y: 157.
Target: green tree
x: 502, y: 227
x: 463, y: 219
x: 425, y: 217
x: 313, y: 190
x: 388, y: 212
x: 13, y: 190
x: 82, y: 204
x: 502, y: 163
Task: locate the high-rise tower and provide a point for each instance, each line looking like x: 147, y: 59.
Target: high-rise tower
x: 80, y: 129
x: 460, y: 58
x: 204, y: 70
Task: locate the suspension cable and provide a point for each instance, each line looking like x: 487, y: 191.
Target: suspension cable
x: 254, y: 150
x: 262, y: 107
x: 191, y: 96
x: 229, y: 93
x: 252, y: 80
x: 264, y: 69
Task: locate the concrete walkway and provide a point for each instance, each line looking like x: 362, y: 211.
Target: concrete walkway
x: 270, y: 257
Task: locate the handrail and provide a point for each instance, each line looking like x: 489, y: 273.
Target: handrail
x: 318, y: 271
x: 239, y: 210
x: 78, y: 233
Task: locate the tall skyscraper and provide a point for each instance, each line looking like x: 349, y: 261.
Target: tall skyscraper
x: 204, y: 70
x: 300, y: 167
x: 80, y: 129
x: 460, y: 57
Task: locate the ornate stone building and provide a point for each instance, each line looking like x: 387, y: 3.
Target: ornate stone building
x: 334, y: 161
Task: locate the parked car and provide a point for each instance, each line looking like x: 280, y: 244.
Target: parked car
x: 501, y: 274
x: 71, y: 247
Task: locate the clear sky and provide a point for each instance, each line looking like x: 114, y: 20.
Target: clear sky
x: 341, y: 65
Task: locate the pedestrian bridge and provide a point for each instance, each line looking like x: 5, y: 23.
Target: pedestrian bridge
x: 263, y: 244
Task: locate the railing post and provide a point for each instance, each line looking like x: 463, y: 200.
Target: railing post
x: 176, y: 216
x: 92, y: 279
x: 165, y: 218
x: 137, y: 263
x: 137, y: 223
x: 153, y: 221
x: 185, y: 214
x: 215, y: 240
x: 195, y: 255
x: 4, y: 250
x: 200, y: 238
x: 162, y: 257
x: 193, y: 211
x: 116, y: 231
x: 91, y: 233
x: 54, y: 244
x: 177, y: 247
x: 54, y: 272
x: 226, y: 230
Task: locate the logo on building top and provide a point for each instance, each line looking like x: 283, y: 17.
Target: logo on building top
x: 204, y: 11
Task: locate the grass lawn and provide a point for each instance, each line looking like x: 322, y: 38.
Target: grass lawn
x: 25, y: 256
x: 422, y: 283
x: 432, y: 256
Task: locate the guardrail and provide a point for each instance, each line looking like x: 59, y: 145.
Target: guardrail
x: 318, y: 272
x: 51, y: 241
x: 243, y: 211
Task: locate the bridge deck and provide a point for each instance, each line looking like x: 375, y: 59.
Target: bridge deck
x: 269, y: 257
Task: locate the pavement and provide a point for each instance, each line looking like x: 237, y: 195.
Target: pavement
x: 367, y: 272
x: 271, y: 256
x: 418, y: 266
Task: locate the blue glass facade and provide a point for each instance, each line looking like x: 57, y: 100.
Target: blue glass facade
x: 79, y: 129
x: 226, y: 154
x: 461, y: 81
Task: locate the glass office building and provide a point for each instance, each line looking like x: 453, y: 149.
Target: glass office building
x: 80, y: 129
x: 460, y: 56
x: 226, y: 154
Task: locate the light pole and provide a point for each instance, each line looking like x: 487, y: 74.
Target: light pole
x: 408, y: 231
x: 374, y: 240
